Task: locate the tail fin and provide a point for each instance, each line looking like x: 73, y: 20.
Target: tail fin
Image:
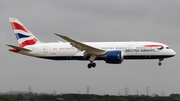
x: 23, y: 35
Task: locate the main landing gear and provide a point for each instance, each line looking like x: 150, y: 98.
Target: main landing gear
x: 91, y: 64
x: 161, y: 59
x: 91, y: 59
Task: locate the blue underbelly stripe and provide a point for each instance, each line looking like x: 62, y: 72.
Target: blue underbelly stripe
x: 99, y: 58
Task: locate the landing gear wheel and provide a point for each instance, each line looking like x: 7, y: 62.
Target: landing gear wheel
x: 160, y: 59
x: 93, y: 64
x: 159, y: 63
x: 89, y: 66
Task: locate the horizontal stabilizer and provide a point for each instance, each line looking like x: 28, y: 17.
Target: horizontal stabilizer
x: 19, y: 48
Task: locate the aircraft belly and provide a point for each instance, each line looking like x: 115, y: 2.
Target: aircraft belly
x: 146, y: 56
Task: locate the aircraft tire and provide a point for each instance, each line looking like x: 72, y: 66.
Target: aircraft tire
x: 93, y: 64
x: 159, y: 63
x: 89, y: 66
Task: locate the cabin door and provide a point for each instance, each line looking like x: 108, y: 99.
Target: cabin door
x: 45, y: 50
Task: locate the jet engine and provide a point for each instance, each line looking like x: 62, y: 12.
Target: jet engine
x: 114, y: 57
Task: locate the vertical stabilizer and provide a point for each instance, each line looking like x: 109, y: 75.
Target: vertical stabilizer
x: 23, y: 35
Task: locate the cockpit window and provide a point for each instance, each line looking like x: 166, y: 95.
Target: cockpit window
x: 168, y: 48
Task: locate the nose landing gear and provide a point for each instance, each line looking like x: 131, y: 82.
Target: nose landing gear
x: 161, y: 59
x: 159, y: 63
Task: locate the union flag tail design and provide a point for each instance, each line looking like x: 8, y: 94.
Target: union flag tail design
x: 23, y: 35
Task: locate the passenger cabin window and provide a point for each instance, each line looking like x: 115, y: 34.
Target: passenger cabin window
x: 168, y: 48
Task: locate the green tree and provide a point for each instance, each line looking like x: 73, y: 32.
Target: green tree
x: 96, y: 99
x: 20, y: 97
x: 123, y: 99
x: 7, y: 98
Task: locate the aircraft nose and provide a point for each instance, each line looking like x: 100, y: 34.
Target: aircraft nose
x: 173, y: 53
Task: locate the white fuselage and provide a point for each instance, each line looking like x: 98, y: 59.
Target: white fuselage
x: 131, y: 50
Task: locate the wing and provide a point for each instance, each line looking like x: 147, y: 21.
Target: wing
x: 89, y: 50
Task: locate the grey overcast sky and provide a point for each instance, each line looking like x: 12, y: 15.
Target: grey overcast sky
x: 93, y: 20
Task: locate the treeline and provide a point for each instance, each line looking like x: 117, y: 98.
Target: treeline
x: 85, y: 97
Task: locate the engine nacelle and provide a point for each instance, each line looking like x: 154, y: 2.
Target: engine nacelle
x: 114, y: 57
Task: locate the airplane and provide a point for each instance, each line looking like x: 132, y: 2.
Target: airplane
x: 110, y: 52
